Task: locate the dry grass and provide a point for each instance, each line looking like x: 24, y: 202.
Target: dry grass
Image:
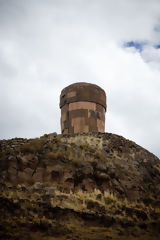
x: 80, y: 140
x: 34, y: 146
x: 55, y: 155
x: 96, y: 202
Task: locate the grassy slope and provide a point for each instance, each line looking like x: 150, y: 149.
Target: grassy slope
x: 57, y: 207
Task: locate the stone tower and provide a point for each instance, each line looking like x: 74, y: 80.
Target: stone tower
x: 83, y: 107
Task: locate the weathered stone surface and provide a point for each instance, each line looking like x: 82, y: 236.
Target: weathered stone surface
x: 25, y: 175
x: 83, y: 107
x: 79, y: 186
x: 83, y: 92
x: 38, y: 175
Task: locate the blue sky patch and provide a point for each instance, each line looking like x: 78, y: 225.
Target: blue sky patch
x: 157, y: 46
x: 135, y: 44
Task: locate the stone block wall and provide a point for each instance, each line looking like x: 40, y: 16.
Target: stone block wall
x: 83, y: 108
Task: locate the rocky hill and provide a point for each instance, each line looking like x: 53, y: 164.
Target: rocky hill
x: 80, y: 186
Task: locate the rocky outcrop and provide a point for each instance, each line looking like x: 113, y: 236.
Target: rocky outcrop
x: 57, y: 184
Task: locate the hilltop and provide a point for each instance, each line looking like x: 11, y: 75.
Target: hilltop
x: 78, y: 186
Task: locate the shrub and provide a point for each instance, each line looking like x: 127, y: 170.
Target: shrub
x: 35, y: 145
x: 100, y: 155
x: 56, y: 155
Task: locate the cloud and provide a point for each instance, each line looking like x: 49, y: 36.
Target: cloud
x: 47, y: 45
x: 148, y: 51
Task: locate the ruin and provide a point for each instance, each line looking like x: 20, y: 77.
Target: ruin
x: 83, y: 107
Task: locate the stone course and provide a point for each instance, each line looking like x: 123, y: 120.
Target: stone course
x: 83, y: 108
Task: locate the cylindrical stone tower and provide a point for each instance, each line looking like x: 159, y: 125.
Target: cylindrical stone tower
x: 83, y: 107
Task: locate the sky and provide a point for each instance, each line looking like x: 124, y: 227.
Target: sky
x: 45, y: 45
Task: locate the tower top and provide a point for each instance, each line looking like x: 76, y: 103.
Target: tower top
x: 83, y: 91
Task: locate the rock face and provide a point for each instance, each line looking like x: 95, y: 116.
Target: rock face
x: 83, y: 107
x: 78, y: 186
